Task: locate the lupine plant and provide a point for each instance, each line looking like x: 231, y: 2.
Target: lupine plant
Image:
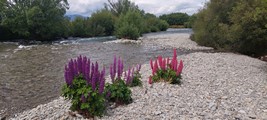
x: 133, y: 76
x: 164, y: 69
x: 119, y: 90
x: 85, y: 87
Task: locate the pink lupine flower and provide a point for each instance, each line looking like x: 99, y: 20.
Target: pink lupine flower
x: 168, y: 61
x: 150, y: 80
x: 151, y: 64
x: 160, y: 61
x: 155, y: 67
x: 175, y: 65
x: 180, y: 68
x: 174, y: 53
x: 164, y: 64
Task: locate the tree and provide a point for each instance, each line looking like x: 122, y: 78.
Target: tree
x: 130, y: 23
x: 235, y: 25
x: 175, y: 18
x: 35, y: 19
x: 248, y: 28
x: 155, y: 24
x: 191, y: 21
x: 102, y: 23
x: 80, y: 28
x: 120, y: 7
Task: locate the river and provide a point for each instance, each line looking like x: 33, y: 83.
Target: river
x: 33, y: 75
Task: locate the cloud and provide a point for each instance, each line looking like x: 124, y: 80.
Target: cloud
x: 157, y: 7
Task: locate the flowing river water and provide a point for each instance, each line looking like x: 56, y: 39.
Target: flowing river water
x: 33, y: 75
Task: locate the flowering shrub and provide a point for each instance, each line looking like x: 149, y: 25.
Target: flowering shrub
x: 119, y: 91
x: 133, y: 76
x: 85, y: 87
x: 165, y: 70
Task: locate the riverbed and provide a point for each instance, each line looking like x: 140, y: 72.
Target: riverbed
x: 33, y: 75
x: 214, y: 86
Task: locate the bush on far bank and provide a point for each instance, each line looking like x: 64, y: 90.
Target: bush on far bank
x: 129, y: 25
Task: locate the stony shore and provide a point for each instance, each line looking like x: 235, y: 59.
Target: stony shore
x: 214, y: 86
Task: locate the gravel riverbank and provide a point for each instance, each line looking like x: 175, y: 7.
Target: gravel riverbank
x: 215, y: 86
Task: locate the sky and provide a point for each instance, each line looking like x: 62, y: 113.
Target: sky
x: 157, y: 7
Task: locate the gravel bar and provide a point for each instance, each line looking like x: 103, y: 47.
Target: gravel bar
x: 214, y: 86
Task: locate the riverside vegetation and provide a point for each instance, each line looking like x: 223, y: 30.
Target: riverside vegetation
x: 233, y: 25
x: 44, y: 20
x: 89, y: 93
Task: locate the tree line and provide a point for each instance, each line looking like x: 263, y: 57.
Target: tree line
x: 44, y: 20
x: 233, y: 25
x: 179, y: 20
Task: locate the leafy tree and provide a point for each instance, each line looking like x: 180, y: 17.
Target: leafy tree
x: 175, y: 18
x: 35, y: 19
x: 191, y: 21
x: 238, y: 25
x: 120, y: 7
x: 155, y: 24
x: 248, y: 28
x: 102, y: 23
x: 132, y: 21
x: 80, y: 27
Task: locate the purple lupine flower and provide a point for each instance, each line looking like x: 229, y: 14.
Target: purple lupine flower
x: 102, y: 81
x: 122, y: 65
x: 138, y: 68
x: 97, y: 73
x: 96, y: 66
x: 125, y: 75
x: 108, y: 94
x: 114, y: 66
x: 70, y: 65
x: 79, y: 64
x: 66, y: 75
x: 71, y: 71
x: 86, y: 72
x: 92, y: 73
x: 84, y: 64
x: 112, y: 76
x: 75, y: 68
x: 94, y: 80
x: 128, y: 77
x: 89, y: 70
x: 119, y: 68
x: 132, y: 76
x: 133, y: 71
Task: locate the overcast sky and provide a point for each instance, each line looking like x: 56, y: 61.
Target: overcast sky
x: 157, y: 7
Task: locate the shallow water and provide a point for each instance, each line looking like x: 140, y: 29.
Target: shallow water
x: 33, y: 75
